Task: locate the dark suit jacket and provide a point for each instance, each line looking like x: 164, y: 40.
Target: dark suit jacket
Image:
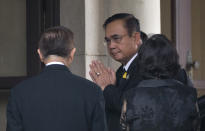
x: 56, y: 100
x: 113, y: 95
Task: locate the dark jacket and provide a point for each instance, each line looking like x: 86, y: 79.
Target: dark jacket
x: 201, y: 102
x: 113, y: 94
x: 162, y: 105
x: 56, y: 100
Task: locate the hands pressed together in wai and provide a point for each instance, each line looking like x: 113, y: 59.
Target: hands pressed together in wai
x: 101, y: 75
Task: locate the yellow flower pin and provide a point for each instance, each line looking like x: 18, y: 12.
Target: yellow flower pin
x: 124, y: 75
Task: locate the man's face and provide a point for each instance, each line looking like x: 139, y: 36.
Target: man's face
x: 121, y: 46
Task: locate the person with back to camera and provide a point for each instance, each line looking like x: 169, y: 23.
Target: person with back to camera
x: 159, y: 102
x: 56, y: 99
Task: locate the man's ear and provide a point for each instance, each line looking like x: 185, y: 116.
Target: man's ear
x: 40, y: 55
x: 137, y: 38
x: 72, y: 53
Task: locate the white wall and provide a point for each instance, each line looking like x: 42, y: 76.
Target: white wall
x: 147, y: 11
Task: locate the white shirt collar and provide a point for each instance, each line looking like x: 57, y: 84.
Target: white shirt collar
x: 129, y: 62
x: 55, y: 62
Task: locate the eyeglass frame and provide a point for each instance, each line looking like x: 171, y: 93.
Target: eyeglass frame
x: 115, y: 38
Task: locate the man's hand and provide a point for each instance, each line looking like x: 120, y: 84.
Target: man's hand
x: 102, y: 75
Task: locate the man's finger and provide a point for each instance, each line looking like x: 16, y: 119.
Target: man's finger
x: 98, y: 68
x: 92, y: 76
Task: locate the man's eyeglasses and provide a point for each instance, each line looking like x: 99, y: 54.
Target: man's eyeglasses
x: 114, y: 38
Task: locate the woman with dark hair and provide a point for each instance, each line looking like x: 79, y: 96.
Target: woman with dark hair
x: 157, y: 58
x: 159, y: 102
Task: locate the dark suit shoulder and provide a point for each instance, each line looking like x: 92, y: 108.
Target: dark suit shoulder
x: 24, y: 84
x: 59, y: 82
x: 87, y: 84
x: 168, y: 88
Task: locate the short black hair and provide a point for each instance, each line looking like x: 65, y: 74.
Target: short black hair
x: 56, y: 41
x: 158, y: 58
x: 131, y: 22
x: 143, y: 36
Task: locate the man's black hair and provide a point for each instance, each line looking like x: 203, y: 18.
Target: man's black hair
x: 131, y: 22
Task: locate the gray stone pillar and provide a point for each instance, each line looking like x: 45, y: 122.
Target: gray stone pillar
x: 95, y: 48
x: 72, y: 15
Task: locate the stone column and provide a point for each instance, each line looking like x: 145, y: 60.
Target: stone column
x: 85, y: 18
x: 94, y: 36
x: 72, y: 15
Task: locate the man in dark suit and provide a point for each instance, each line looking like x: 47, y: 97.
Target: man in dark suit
x: 122, y: 35
x: 56, y: 99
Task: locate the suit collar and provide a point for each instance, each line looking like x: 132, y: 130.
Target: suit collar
x: 56, y: 67
x: 131, y: 70
x: 132, y: 66
x: 126, y: 67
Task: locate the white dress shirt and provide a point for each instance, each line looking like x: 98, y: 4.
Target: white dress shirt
x: 129, y: 62
x: 55, y: 62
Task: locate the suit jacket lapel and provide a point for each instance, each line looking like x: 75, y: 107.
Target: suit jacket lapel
x: 131, y: 72
x: 119, y: 74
